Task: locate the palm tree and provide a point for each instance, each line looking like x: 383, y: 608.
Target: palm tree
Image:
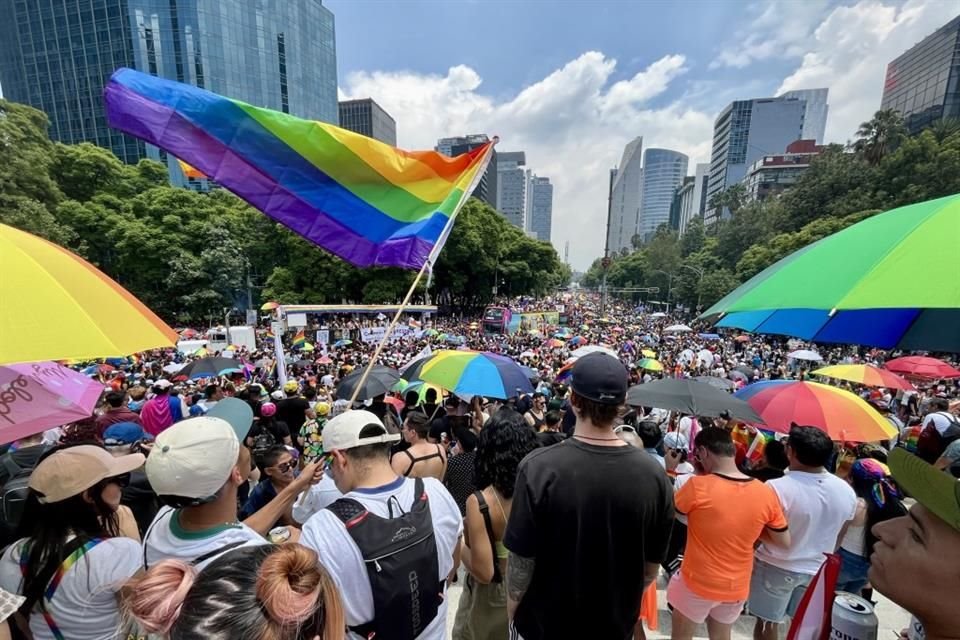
x: 880, y: 135
x: 944, y: 128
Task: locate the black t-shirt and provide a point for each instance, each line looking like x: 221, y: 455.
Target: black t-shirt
x: 592, y: 517
x: 293, y: 411
x: 547, y: 438
x: 278, y: 429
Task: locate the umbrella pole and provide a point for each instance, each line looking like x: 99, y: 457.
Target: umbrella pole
x: 386, y: 335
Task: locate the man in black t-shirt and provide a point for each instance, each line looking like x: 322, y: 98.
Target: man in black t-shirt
x: 590, y: 522
x: 294, y: 410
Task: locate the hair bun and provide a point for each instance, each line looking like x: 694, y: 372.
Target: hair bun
x: 156, y: 597
x: 289, y: 584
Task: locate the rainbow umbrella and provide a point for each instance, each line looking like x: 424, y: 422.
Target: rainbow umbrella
x: 324, y: 360
x: 431, y: 332
x: 647, y: 353
x: 307, y: 347
x: 342, y: 343
x: 843, y: 415
x: 476, y: 373
x: 403, y: 386
x: 554, y: 343
x: 860, y: 285
x: 922, y: 367
x: 865, y: 374
x: 41, y: 395
x: 58, y: 306
x: 577, y: 341
x: 269, y: 306
x: 565, y: 373
x: 650, y: 364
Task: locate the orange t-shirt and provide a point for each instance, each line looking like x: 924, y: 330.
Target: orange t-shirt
x: 725, y: 516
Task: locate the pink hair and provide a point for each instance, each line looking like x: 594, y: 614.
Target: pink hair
x: 154, y: 598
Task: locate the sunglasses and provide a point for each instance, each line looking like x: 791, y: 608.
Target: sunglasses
x: 121, y: 480
x: 286, y: 466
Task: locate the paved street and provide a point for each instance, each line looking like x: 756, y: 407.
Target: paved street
x: 892, y: 618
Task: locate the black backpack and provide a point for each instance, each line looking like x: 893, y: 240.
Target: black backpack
x: 13, y: 496
x: 401, y: 558
x: 931, y: 444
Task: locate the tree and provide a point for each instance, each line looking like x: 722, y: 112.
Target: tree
x: 880, y: 135
x: 25, y: 154
x: 715, y: 285
x: 732, y: 198
x: 693, y: 237
x: 82, y: 170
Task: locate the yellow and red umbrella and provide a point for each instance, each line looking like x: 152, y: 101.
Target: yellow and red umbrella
x: 865, y: 374
x: 58, y: 306
x: 844, y: 416
x: 269, y: 306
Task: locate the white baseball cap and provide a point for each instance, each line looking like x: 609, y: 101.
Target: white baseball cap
x: 193, y: 459
x: 343, y: 431
x: 163, y: 383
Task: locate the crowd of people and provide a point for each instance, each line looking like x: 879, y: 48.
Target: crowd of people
x: 241, y: 506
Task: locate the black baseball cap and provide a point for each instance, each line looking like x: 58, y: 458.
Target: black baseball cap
x: 599, y: 377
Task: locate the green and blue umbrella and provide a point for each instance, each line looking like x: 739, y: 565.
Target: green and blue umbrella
x: 882, y: 282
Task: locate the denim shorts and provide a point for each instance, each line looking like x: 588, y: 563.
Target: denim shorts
x: 853, y: 572
x: 775, y: 593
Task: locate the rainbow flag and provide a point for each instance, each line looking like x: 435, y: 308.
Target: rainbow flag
x: 299, y: 340
x: 414, y: 324
x: 189, y: 171
x: 356, y: 197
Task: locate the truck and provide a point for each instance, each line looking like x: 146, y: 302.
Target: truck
x: 216, y: 339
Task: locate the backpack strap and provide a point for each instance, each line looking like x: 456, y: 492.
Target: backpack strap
x: 12, y: 467
x: 73, y: 551
x: 488, y: 524
x: 216, y: 552
x: 349, y: 511
x: 147, y: 535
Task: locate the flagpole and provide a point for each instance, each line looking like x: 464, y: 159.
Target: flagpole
x: 386, y: 335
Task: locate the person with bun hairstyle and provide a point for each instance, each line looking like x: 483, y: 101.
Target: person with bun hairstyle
x: 71, y: 561
x: 278, y: 431
x: 280, y: 592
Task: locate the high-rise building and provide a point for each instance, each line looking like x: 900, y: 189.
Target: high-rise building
x: 681, y: 204
x: 744, y: 132
x: 624, y: 199
x: 772, y: 175
x: 512, y: 187
x: 694, y: 203
x: 923, y: 84
x: 663, y: 172
x: 486, y: 189
x: 57, y: 56
x: 540, y: 212
x: 814, y: 113
x: 366, y: 117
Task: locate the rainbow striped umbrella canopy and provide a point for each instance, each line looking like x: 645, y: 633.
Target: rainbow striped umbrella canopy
x: 860, y: 285
x: 843, y: 415
x: 58, y: 306
x: 360, y: 199
x: 865, y: 374
x: 476, y: 373
x: 650, y: 364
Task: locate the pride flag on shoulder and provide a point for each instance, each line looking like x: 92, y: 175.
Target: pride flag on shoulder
x: 356, y: 197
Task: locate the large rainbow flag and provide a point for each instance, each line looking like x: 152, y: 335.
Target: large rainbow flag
x: 360, y: 199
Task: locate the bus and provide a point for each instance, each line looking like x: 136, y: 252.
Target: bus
x: 506, y: 321
x: 496, y: 320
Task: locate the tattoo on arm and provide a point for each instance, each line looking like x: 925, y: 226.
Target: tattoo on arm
x: 519, y: 575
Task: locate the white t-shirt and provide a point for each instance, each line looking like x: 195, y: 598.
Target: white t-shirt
x: 315, y: 498
x: 84, y: 606
x: 940, y: 420
x: 165, y: 538
x: 678, y: 483
x: 325, y: 533
x: 816, y: 505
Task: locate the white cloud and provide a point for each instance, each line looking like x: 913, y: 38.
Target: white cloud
x: 779, y: 30
x: 572, y: 125
x: 850, y: 50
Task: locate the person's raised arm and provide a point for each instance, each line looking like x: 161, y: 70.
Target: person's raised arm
x: 263, y: 520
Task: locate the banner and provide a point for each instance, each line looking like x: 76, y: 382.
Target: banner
x: 323, y: 336
x: 296, y: 320
x: 375, y: 334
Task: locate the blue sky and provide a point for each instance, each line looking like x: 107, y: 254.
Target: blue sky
x: 572, y: 82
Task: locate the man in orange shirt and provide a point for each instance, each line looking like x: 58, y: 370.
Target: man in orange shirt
x: 727, y: 512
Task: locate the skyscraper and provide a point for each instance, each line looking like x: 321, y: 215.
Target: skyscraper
x: 368, y: 118
x: 512, y: 187
x: 540, y: 213
x: 663, y: 172
x: 486, y: 189
x: 815, y: 112
x: 624, y: 197
x: 57, y: 56
x: 693, y: 197
x: 744, y: 132
x: 923, y: 84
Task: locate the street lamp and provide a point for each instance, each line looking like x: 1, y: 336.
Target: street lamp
x: 699, y: 273
x: 669, y: 285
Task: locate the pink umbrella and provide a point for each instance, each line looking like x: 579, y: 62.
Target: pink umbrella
x: 39, y: 395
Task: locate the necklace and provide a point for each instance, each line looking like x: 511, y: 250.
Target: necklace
x: 496, y: 495
x: 577, y: 435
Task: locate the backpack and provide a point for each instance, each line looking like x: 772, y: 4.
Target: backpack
x: 13, y: 496
x: 400, y: 554
x: 262, y: 442
x: 931, y: 443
